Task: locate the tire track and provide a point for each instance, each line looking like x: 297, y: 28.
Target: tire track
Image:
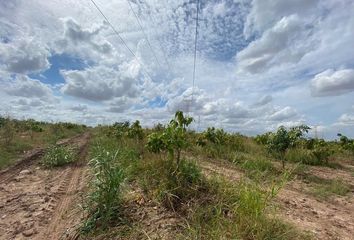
x: 33, y: 199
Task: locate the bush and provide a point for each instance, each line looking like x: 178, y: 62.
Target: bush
x: 103, y: 205
x: 58, y: 156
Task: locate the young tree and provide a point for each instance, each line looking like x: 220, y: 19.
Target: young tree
x: 283, y: 139
x: 172, y: 139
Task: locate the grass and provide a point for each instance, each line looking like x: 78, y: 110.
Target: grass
x: 336, y: 187
x: 236, y: 211
x: 13, y: 145
x: 10, y: 152
x: 56, y: 156
x: 104, y: 201
x: 211, y: 208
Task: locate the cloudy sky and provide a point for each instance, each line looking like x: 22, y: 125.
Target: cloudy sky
x: 260, y: 64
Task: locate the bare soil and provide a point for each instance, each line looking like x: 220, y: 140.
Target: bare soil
x: 332, y: 219
x: 39, y: 203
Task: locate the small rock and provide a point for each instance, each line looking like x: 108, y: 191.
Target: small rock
x: 46, y: 198
x: 29, y: 232
x: 314, y: 212
x: 18, y: 178
x: 27, y: 215
x: 25, y: 172
x: 38, y: 168
x: 3, y: 216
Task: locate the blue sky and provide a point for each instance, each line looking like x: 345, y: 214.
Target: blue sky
x: 260, y: 63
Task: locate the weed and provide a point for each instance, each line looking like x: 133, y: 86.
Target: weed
x: 58, y: 156
x: 103, y: 205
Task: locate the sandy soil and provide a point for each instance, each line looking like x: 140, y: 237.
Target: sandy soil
x: 332, y: 219
x: 35, y: 203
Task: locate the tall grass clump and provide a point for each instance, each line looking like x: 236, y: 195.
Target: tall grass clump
x: 237, y: 211
x: 104, y: 202
x: 57, y: 156
x: 171, y: 184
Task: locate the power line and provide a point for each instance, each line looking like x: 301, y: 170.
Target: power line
x: 142, y: 29
x: 120, y: 37
x: 195, y: 49
x: 154, y: 23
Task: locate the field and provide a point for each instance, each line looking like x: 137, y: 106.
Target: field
x: 121, y: 181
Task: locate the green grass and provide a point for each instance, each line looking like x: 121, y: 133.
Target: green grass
x: 12, y: 146
x: 336, y: 187
x: 211, y: 208
x: 103, y: 205
x: 9, y: 153
x: 236, y: 211
x: 57, y: 156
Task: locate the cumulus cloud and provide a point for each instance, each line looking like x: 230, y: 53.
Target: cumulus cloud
x: 24, y: 56
x: 120, y: 104
x: 283, y: 43
x: 332, y: 83
x: 100, y: 83
x: 190, y: 100
x: 83, y: 41
x: 24, y: 86
x: 264, y: 13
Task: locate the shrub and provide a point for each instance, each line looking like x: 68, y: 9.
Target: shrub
x: 173, y: 139
x: 58, y: 156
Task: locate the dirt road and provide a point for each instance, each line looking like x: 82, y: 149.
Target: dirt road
x: 39, y: 203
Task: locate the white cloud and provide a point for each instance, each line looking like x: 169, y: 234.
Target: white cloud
x: 24, y: 86
x: 24, y: 56
x: 346, y: 119
x: 79, y: 108
x: 283, y: 114
x: 100, y: 83
x: 84, y: 42
x: 332, y: 83
x: 263, y: 101
x: 283, y: 43
x: 264, y: 13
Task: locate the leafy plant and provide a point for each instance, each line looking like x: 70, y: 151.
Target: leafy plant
x: 58, y: 156
x: 283, y: 139
x: 172, y: 139
x: 135, y: 131
x: 346, y: 143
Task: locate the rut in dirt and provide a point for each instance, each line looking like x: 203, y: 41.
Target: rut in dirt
x: 324, y: 219
x: 38, y: 203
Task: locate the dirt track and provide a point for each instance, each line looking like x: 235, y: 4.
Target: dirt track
x: 324, y: 219
x: 39, y: 203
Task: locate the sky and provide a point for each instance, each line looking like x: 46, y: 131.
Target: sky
x: 260, y: 64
